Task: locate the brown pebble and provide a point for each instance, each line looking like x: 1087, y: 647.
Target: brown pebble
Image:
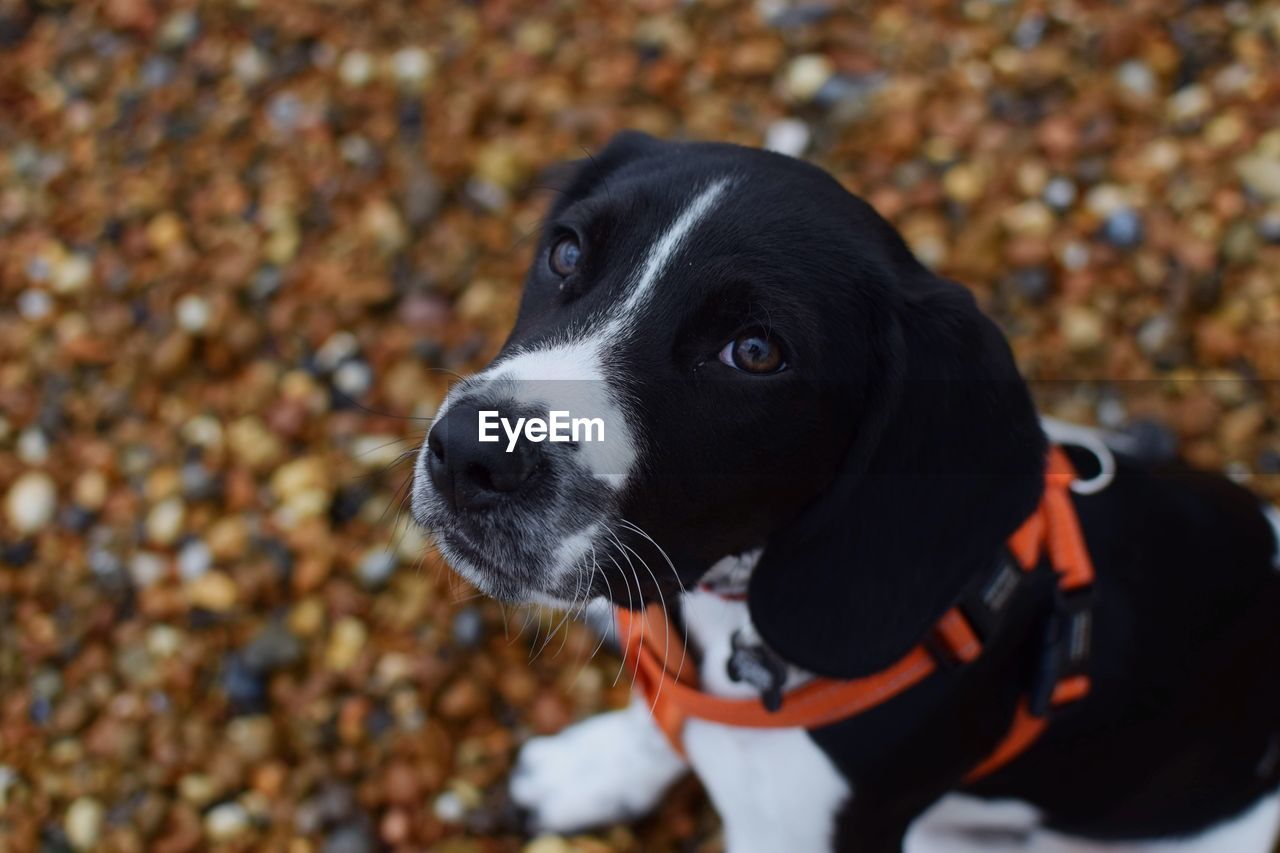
x: 463, y: 699
x: 395, y: 827
x: 550, y: 713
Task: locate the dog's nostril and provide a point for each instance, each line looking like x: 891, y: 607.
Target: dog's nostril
x: 470, y: 473
x: 435, y: 444
x: 480, y: 476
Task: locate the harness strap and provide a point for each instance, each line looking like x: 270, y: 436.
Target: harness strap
x: 667, y: 678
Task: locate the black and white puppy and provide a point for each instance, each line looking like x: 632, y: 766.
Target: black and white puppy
x: 791, y: 402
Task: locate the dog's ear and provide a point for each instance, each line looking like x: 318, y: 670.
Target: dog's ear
x: 946, y: 464
x: 573, y: 179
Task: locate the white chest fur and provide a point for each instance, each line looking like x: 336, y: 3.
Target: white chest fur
x: 773, y: 788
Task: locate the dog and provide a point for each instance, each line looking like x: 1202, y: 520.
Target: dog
x: 812, y: 447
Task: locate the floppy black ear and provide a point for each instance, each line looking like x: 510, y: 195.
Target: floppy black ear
x: 576, y: 178
x: 946, y: 465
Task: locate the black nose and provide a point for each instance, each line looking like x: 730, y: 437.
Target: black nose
x: 472, y: 474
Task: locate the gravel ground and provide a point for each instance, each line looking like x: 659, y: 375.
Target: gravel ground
x: 244, y: 246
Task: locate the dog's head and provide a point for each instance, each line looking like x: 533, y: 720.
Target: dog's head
x: 754, y: 360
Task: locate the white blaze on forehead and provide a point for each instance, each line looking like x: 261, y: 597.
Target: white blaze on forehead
x: 570, y: 373
x: 660, y: 255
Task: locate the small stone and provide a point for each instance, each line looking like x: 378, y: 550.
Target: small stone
x: 8, y: 780
x: 356, y: 68
x: 395, y: 827
x: 1032, y: 283
x: 336, y: 349
x: 1225, y: 130
x: 287, y: 112
x: 198, y: 483
x: 243, y: 685
x: 350, y: 838
x: 806, y: 75
x: 1029, y: 219
x: 963, y: 183
x: 17, y: 554
x: 789, y: 136
x: 34, y: 305
x: 468, y: 627
x: 178, y: 29
x: 90, y: 490
x: 463, y: 699
x: 1156, y: 335
x: 549, y: 712
x: 252, y: 736
x: 1060, y: 193
x: 158, y: 72
x: 226, y: 822
x: 501, y: 165
x: 164, y: 641
x: 194, y: 560
x: 307, y: 617
x: 1240, y: 243
x: 346, y: 643
x: 1105, y: 199
x: 376, y: 567
x: 380, y: 222
x: 252, y: 443
x: 203, y: 431
x: 214, y: 591
x: 33, y: 446
x: 1261, y: 176
x: 1239, y: 426
x: 303, y: 487
x: 31, y: 502
x: 1123, y: 228
x: 1189, y: 104
x: 228, y: 538
x: 449, y: 808
x: 145, y: 568
x: 1162, y: 155
x: 1031, y: 177
x: 105, y: 565
x: 84, y: 823
x: 250, y: 65
x: 192, y: 314
x: 1075, y: 255
x: 166, y: 232
x: 272, y: 648
x: 1137, y: 78
x: 353, y: 378
x: 165, y: 520
x: 71, y: 273
x: 1269, y: 225
x: 1082, y: 328
x: 199, y: 789
x: 411, y: 67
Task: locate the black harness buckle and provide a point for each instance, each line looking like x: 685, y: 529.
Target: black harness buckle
x: 758, y: 666
x: 1068, y: 642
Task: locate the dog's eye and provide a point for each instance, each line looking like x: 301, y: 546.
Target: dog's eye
x: 564, y: 257
x: 753, y: 352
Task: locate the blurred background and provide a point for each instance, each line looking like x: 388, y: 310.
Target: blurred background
x: 245, y: 246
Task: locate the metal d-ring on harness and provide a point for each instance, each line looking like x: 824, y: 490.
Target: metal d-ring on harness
x: 1062, y: 432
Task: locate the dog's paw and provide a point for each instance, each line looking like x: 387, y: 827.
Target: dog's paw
x: 609, y: 768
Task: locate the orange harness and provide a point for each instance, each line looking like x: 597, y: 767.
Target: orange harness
x: 1053, y: 530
